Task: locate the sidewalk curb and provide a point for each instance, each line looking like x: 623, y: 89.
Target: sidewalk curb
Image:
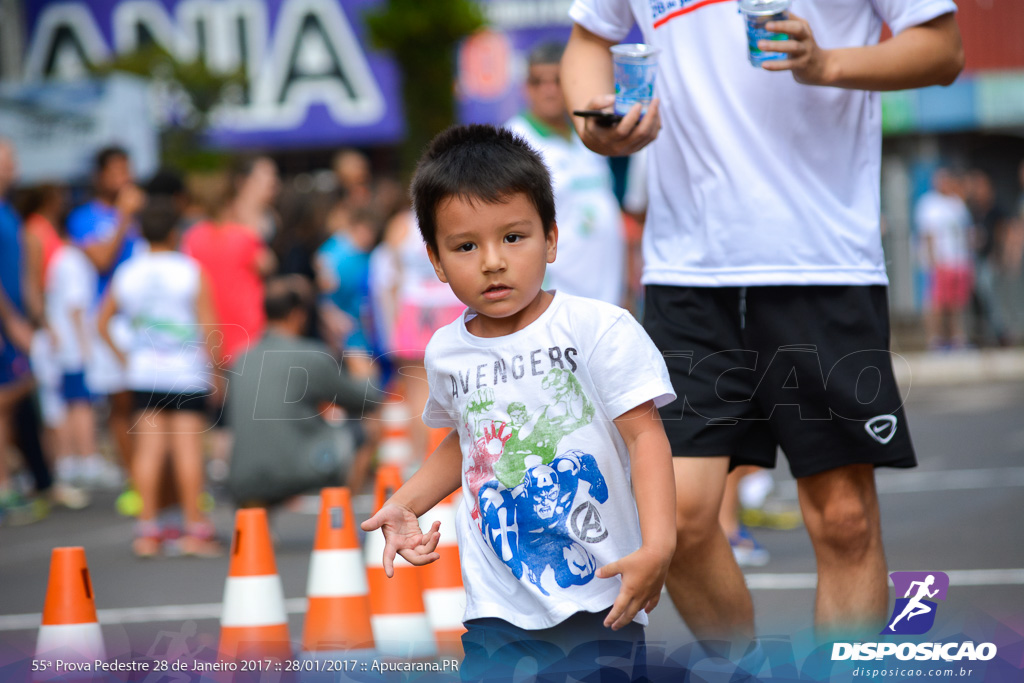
x: 972, y: 366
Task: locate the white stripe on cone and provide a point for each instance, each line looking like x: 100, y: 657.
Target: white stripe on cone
x: 253, y: 601
x: 395, y: 451
x: 71, y: 642
x: 446, y: 515
x: 374, y: 552
x: 338, y: 574
x: 445, y: 607
x: 403, y: 635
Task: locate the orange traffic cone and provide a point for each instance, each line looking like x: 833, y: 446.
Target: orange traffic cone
x: 443, y: 592
x: 395, y: 441
x: 400, y: 624
x: 70, y: 630
x: 253, y: 624
x: 338, y: 617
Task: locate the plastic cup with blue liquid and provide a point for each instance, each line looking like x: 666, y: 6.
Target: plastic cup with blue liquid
x: 635, y: 66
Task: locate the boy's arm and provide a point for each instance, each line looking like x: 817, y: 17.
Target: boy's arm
x: 643, y: 572
x: 587, y: 83
x: 927, y: 54
x: 440, y: 475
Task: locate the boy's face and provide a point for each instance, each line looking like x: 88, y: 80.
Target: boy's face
x: 494, y: 257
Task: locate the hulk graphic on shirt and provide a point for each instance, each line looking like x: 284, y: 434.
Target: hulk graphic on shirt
x: 507, y: 445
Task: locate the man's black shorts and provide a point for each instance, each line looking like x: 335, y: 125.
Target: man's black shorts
x: 807, y: 368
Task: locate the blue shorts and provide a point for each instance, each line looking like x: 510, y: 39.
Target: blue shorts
x: 579, y: 648
x: 73, y: 387
x: 13, y: 363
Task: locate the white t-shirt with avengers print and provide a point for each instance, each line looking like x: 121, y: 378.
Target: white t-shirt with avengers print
x: 546, y: 490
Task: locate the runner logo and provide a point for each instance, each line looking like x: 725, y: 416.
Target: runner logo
x: 914, y: 613
x: 881, y: 428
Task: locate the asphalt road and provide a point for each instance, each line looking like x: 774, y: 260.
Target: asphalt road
x: 959, y: 512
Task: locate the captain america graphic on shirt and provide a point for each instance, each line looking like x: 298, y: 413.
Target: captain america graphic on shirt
x: 525, y: 493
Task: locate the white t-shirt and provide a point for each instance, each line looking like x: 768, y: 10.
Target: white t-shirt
x: 590, y: 232
x: 946, y: 219
x: 754, y: 178
x: 71, y: 286
x: 546, y: 492
x: 157, y: 292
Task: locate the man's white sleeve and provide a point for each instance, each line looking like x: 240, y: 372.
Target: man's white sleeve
x: 610, y: 19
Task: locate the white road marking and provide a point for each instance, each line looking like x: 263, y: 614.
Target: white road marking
x: 143, y: 615
x: 212, y: 610
x: 961, y: 577
x: 923, y: 481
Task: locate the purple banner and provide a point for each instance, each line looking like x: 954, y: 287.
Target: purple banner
x: 312, y: 80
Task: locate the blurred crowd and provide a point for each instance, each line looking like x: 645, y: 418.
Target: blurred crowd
x: 971, y: 243
x: 127, y: 317
x: 141, y: 327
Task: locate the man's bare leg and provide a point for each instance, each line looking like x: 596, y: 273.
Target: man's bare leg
x: 704, y: 581
x: 840, y: 509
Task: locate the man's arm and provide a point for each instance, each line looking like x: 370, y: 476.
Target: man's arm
x: 927, y: 54
x: 587, y: 84
x: 104, y: 254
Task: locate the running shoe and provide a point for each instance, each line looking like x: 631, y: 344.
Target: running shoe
x: 747, y: 551
x: 148, y: 540
x: 773, y: 514
x: 129, y: 503
x: 18, y: 510
x: 71, y: 497
x: 200, y: 540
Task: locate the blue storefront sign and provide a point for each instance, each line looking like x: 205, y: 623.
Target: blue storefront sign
x: 312, y: 80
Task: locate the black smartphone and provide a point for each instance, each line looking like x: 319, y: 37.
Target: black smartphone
x: 602, y: 118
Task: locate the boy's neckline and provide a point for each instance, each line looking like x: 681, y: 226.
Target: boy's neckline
x: 476, y: 340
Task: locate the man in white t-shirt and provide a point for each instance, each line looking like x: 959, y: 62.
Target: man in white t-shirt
x: 766, y: 283
x: 590, y: 230
x: 943, y: 224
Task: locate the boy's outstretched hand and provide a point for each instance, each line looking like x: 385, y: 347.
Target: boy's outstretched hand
x: 643, y: 575
x: 402, y: 535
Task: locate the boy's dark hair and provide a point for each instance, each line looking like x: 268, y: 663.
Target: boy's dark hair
x: 286, y: 294
x: 108, y: 154
x: 479, y: 163
x: 159, y: 219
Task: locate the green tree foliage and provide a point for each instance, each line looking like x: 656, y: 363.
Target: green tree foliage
x: 423, y: 35
x: 186, y: 93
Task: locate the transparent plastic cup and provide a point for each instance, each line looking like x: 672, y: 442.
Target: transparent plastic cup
x: 635, y: 66
x: 757, y: 14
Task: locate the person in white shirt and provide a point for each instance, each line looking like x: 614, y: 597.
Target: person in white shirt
x: 590, y: 232
x: 944, y: 224
x: 565, y: 522
x: 166, y: 298
x: 69, y: 294
x: 763, y: 263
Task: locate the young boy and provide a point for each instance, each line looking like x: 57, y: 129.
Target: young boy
x: 70, y: 288
x: 167, y: 300
x: 566, y: 523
